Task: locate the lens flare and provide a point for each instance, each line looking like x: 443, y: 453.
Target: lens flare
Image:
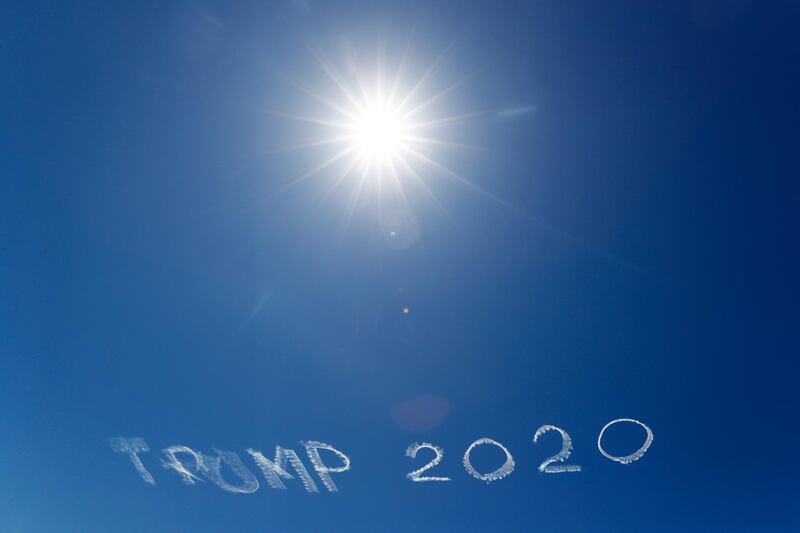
x: 382, y: 133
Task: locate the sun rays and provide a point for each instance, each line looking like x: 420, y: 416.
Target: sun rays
x: 377, y: 132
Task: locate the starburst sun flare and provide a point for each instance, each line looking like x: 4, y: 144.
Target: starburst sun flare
x: 380, y: 134
x: 383, y: 131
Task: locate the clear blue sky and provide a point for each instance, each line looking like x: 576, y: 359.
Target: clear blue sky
x: 638, y: 258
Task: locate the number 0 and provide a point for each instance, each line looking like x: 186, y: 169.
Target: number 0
x: 635, y: 456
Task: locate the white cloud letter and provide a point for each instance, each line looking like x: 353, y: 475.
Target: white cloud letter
x: 212, y: 467
x: 274, y: 471
x: 133, y: 446
x: 174, y: 463
x: 323, y: 471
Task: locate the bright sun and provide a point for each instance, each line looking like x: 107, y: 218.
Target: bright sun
x: 380, y: 135
x: 380, y: 132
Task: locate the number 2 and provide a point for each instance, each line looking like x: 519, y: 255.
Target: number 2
x: 563, y: 455
x: 412, y: 452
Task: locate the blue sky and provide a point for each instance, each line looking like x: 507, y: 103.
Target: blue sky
x: 623, y: 245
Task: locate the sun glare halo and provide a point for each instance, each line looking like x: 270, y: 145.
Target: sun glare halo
x: 380, y: 135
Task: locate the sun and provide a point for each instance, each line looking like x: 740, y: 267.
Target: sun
x: 380, y: 136
x: 380, y: 133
